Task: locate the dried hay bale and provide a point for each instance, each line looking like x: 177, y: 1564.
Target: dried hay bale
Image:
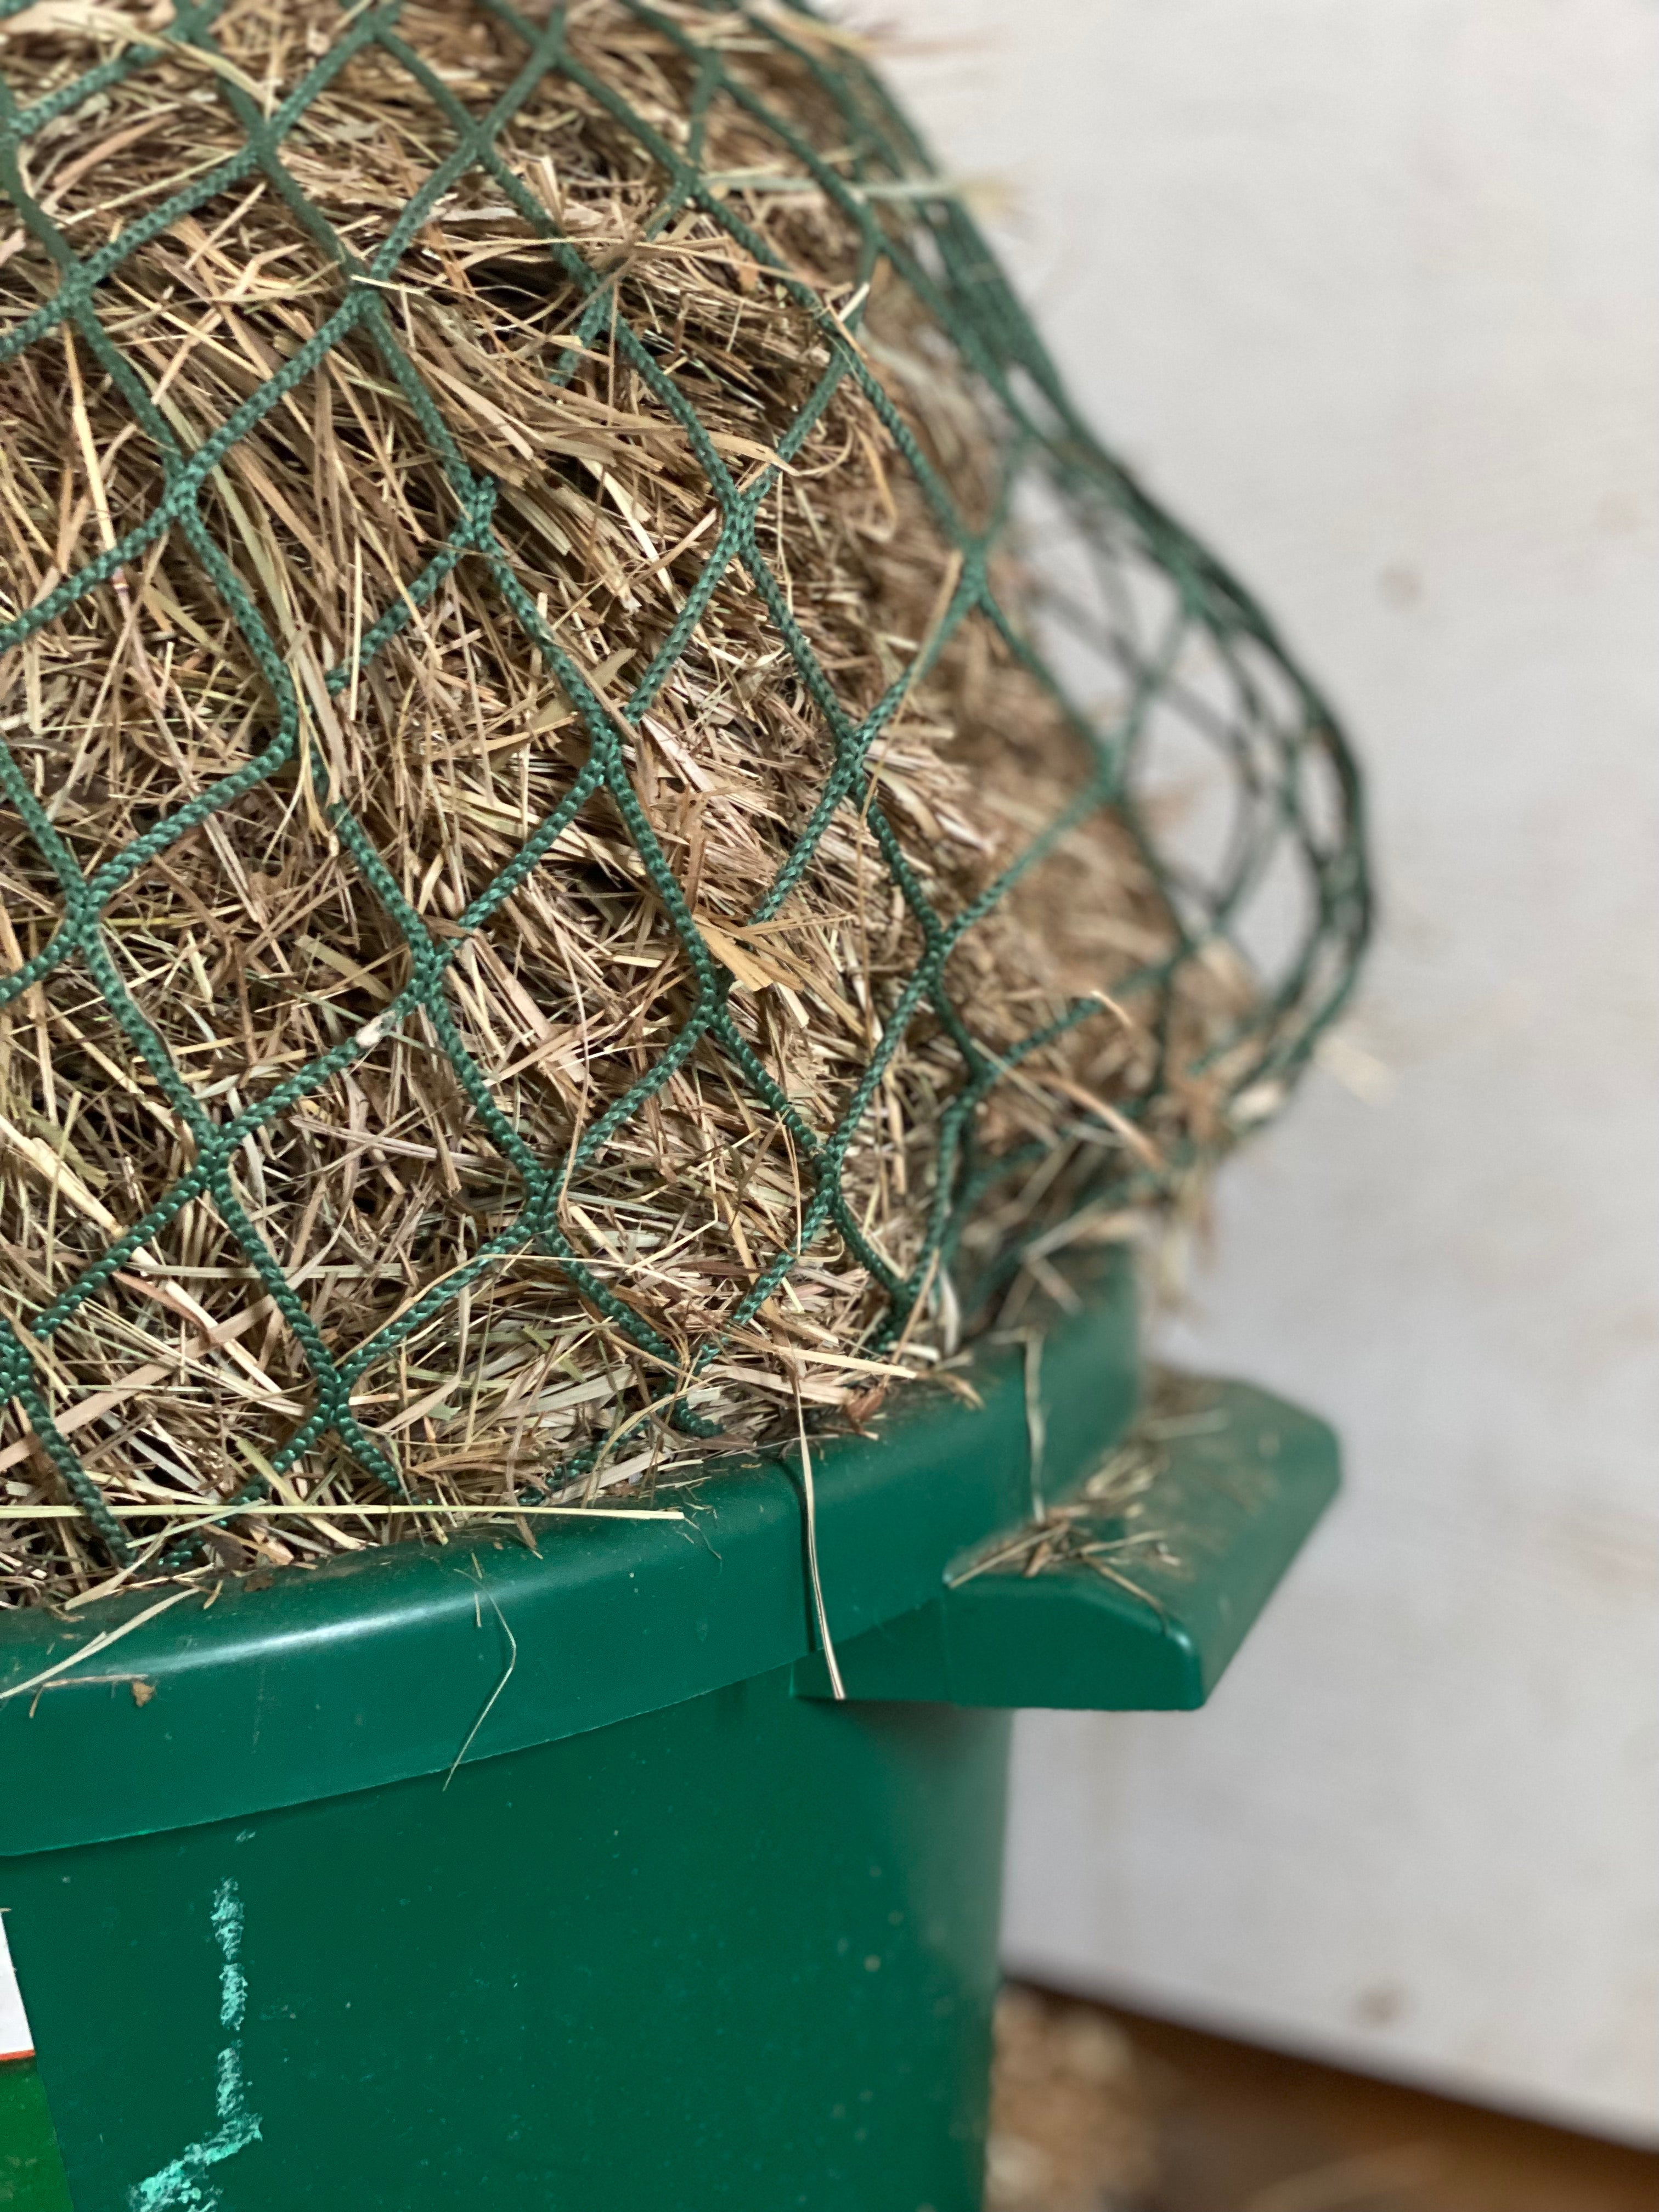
x: 573, y: 862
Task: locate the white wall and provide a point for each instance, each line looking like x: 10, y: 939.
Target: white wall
x: 1370, y: 289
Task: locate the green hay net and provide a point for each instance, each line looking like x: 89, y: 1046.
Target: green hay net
x: 1280, y: 880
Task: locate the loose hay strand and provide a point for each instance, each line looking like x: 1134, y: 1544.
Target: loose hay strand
x: 264, y: 1509
x: 809, y: 1510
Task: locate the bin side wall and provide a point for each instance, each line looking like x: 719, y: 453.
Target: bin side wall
x: 738, y: 1952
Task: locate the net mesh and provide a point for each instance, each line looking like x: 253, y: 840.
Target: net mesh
x: 1266, y: 874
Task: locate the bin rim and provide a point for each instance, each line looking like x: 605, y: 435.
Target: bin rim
x: 415, y: 1658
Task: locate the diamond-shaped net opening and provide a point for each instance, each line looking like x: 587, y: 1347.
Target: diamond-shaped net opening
x: 608, y: 809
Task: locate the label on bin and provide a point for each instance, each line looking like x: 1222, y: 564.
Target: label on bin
x: 16, y: 2041
x: 31, y: 2165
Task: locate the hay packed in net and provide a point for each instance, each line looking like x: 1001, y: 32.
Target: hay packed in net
x: 604, y: 793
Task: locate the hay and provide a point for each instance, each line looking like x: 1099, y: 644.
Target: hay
x: 1074, y: 2121
x: 1114, y: 1526
x: 513, y: 1075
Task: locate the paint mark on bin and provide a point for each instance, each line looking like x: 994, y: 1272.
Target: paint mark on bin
x: 183, y: 2185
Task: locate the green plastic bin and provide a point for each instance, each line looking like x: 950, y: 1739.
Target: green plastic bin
x: 458, y: 1875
